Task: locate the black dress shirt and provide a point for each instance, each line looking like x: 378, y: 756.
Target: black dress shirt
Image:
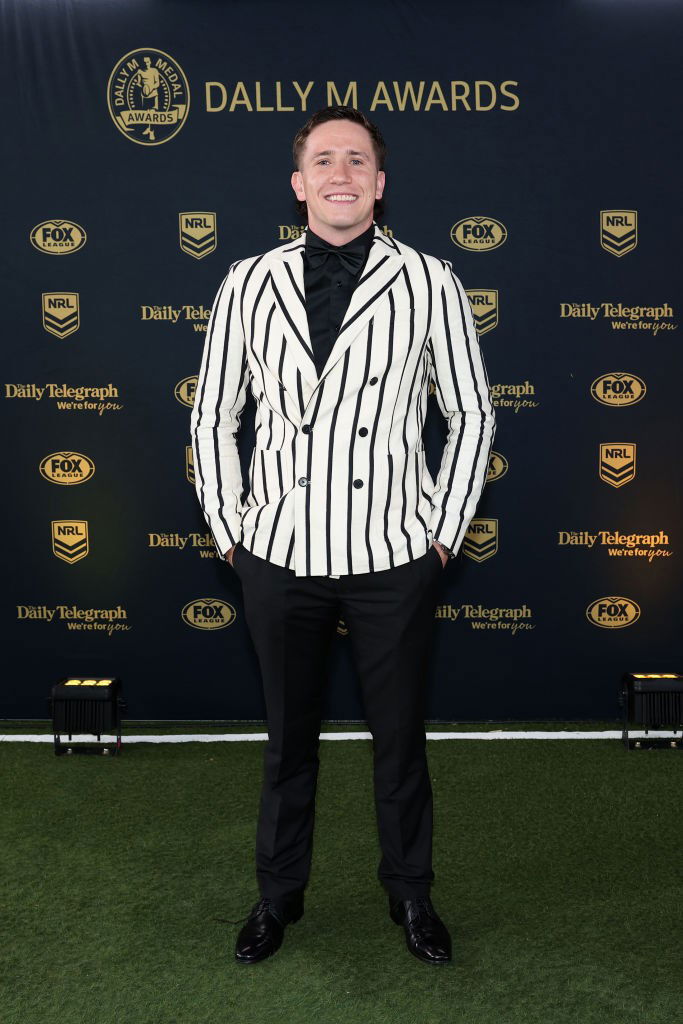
x: 328, y: 290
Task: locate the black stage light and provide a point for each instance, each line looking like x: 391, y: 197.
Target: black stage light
x: 652, y: 700
x: 86, y: 706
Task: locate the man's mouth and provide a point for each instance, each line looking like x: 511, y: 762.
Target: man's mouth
x: 341, y: 197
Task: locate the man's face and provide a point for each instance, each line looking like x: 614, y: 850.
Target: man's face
x: 339, y: 180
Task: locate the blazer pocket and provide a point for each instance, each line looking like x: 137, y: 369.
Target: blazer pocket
x: 272, y: 474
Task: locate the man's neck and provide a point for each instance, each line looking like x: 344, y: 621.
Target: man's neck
x: 339, y: 236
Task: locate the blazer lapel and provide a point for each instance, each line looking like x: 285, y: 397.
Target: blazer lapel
x: 381, y: 269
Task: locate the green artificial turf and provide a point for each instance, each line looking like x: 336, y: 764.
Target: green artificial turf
x: 557, y: 871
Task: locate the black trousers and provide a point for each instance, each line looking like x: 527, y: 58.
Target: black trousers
x: 292, y: 620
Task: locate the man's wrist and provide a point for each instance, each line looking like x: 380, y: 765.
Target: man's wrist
x: 447, y: 551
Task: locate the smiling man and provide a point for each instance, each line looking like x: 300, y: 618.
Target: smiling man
x: 340, y: 336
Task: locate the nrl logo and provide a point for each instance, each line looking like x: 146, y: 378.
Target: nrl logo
x: 184, y: 390
x: 189, y: 463
x: 198, y: 233
x: 481, y: 539
x: 60, y: 313
x: 617, y: 463
x: 70, y: 539
x: 618, y: 231
x: 498, y: 466
x: 484, y: 305
x: 208, y: 613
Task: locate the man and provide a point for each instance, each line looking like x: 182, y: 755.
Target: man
x: 338, y: 335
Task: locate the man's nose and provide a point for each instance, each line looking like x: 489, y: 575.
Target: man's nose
x: 340, y: 173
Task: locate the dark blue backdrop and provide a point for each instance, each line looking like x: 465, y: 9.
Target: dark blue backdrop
x: 588, y: 121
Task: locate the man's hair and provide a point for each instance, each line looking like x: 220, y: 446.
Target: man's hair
x: 339, y: 114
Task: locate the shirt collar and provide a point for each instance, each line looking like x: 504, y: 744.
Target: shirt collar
x: 364, y: 239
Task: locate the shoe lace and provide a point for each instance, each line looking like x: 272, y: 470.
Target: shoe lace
x: 265, y: 903
x: 424, y: 906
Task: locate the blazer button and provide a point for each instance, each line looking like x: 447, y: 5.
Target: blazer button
x: 357, y: 483
x: 306, y: 429
x: 373, y: 380
x: 302, y: 481
x: 363, y: 431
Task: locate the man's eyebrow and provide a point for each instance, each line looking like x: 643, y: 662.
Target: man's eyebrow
x: 351, y: 152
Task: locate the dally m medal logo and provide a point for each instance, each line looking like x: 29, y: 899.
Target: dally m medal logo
x: 613, y: 612
x: 198, y: 233
x: 484, y: 305
x: 497, y: 467
x: 189, y: 463
x: 478, y: 234
x: 617, y: 462
x: 618, y: 231
x: 67, y: 468
x: 185, y: 389
x: 148, y: 97
x: 208, y: 613
x: 481, y: 539
x: 58, y: 237
x: 618, y: 389
x: 60, y: 313
x: 70, y: 539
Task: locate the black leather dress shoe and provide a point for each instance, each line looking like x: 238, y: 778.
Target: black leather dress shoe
x: 427, y: 937
x: 262, y: 935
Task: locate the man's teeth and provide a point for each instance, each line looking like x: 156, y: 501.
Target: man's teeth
x: 341, y: 197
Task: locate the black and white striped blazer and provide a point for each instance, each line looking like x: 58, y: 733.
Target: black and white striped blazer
x: 338, y: 481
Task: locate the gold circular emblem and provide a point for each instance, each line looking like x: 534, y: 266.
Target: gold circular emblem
x: 148, y: 96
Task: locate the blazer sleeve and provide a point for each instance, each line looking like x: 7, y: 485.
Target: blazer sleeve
x: 464, y: 398
x: 219, y: 401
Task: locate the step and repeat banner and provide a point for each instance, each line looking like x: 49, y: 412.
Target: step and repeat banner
x: 149, y: 146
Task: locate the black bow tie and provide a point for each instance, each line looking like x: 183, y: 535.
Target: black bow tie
x: 351, y: 255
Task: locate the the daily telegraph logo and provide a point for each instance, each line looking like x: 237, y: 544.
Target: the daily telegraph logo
x: 185, y: 389
x: 198, y: 233
x: 60, y: 313
x: 623, y: 317
x: 650, y: 546
x: 484, y: 305
x: 74, y: 618
x: 198, y: 316
x: 514, y: 396
x: 70, y: 539
x: 481, y: 539
x: 148, y: 96
x: 69, y: 397
x: 617, y: 462
x: 613, y: 612
x: 482, y: 617
x: 203, y: 543
x: 67, y: 468
x: 58, y: 237
x: 208, y: 613
x: 618, y: 231
x: 478, y: 234
x: 497, y: 467
x: 189, y: 463
x: 618, y: 389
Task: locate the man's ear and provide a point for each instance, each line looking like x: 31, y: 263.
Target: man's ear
x: 298, y: 185
x: 381, y: 181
